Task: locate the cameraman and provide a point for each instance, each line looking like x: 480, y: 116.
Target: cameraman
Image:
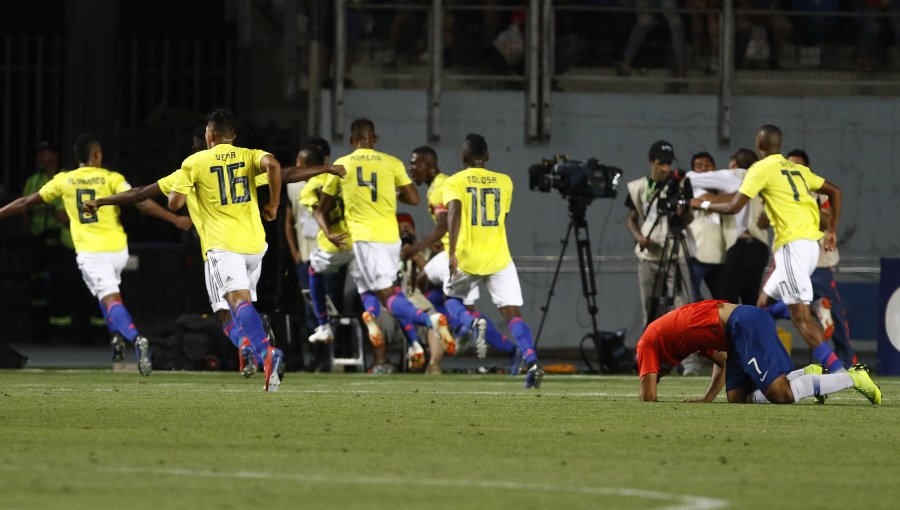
x: 650, y: 229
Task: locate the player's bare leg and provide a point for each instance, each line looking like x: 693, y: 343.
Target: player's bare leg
x: 814, y: 336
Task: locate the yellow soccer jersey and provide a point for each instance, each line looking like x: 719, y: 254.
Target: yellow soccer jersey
x: 485, y: 197
x: 226, y: 202
x: 100, y: 232
x: 309, y: 198
x: 370, y: 194
x: 167, y: 184
x: 785, y: 187
x: 436, y: 205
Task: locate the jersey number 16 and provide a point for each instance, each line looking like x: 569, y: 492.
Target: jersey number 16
x: 233, y: 182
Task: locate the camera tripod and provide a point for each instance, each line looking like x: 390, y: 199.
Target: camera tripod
x: 578, y: 225
x: 663, y: 298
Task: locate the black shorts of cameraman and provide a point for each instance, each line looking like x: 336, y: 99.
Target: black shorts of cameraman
x: 745, y: 264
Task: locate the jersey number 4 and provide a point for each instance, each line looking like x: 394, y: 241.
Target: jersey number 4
x: 790, y: 179
x: 233, y: 182
x: 481, y: 206
x: 373, y: 184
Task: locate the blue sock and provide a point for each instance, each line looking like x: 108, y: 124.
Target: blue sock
x: 458, y: 315
x: 370, y: 303
x: 317, y: 291
x: 119, y: 319
x: 408, y: 315
x: 522, y: 333
x: 436, y: 297
x: 406, y: 312
x: 826, y: 356
x: 495, y: 339
x: 779, y: 310
x: 251, y: 324
x: 234, y: 333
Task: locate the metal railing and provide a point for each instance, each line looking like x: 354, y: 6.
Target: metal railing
x: 798, y: 52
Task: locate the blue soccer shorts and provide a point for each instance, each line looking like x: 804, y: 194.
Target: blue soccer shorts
x: 757, y: 356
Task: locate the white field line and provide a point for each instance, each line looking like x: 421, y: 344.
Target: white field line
x: 671, y: 501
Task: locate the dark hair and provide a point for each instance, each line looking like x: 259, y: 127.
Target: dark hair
x: 744, y: 158
x: 315, y: 156
x: 476, y: 146
x: 322, y: 143
x: 425, y: 149
x: 361, y: 125
x: 84, y: 143
x: 199, y: 132
x: 700, y: 155
x: 222, y: 120
x: 800, y: 153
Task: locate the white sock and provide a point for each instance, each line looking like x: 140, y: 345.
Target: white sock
x: 807, y: 385
x: 795, y: 374
x: 759, y: 398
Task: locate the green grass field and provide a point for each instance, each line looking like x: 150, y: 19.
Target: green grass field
x: 98, y: 439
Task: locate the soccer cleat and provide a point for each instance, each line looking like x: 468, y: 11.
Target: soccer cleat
x: 383, y: 368
x: 434, y: 368
x: 142, y: 352
x: 822, y: 309
x: 864, y: 384
x: 375, y: 336
x: 415, y: 357
x: 534, y: 376
x: 439, y: 325
x: 322, y: 334
x: 117, y: 345
x: 815, y: 369
x: 479, y: 330
x: 274, y: 358
x: 247, y: 359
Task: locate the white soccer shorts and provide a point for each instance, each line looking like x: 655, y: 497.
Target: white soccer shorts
x: 376, y: 265
x: 503, y: 286
x: 102, y: 271
x: 329, y: 261
x: 438, y: 272
x: 229, y: 271
x: 794, y: 263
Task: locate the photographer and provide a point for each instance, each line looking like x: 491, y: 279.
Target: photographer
x: 650, y: 227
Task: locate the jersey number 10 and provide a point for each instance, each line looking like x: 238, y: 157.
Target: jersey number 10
x: 233, y: 181
x: 481, y: 205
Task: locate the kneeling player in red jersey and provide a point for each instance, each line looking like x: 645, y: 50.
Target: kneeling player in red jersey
x: 750, y: 360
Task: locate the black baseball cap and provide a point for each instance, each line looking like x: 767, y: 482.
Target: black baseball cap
x: 662, y: 151
x: 46, y: 145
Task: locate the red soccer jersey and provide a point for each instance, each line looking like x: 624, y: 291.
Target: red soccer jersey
x: 677, y: 334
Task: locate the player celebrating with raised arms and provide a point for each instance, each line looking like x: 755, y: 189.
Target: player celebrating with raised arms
x: 478, y: 201
x: 100, y: 242
x: 749, y: 359
x: 370, y: 190
x: 222, y: 177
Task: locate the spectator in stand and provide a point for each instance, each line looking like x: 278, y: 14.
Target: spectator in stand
x: 705, y: 33
x: 871, y: 27
x: 647, y: 19
x: 760, y: 36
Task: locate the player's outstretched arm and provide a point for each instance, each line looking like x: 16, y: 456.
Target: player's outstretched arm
x: 440, y: 228
x: 733, y: 206
x: 21, y: 205
x: 716, y: 382
x: 408, y: 194
x: 273, y: 170
x: 151, y: 208
x: 297, y: 174
x: 835, y: 197
x: 132, y: 196
x: 326, y: 202
x: 453, y: 219
x: 648, y: 387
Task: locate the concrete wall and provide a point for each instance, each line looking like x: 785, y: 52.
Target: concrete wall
x: 851, y: 141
